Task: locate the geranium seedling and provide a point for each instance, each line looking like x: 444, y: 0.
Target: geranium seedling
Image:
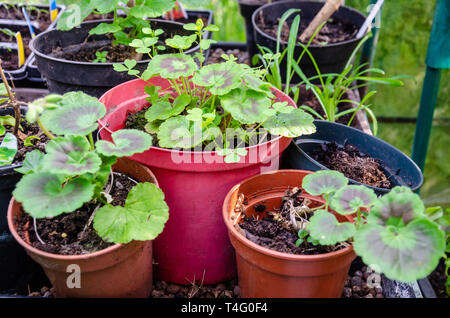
x: 205, y: 105
x: 396, y: 236
x: 75, y: 171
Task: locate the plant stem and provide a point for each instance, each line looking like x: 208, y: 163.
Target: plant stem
x: 91, y: 141
x: 48, y: 133
x: 12, y: 100
x: 213, y: 103
x: 177, y: 88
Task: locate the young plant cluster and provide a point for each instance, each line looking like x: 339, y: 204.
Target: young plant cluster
x: 331, y: 90
x: 130, y: 20
x: 220, y: 107
x: 75, y: 171
x: 397, y: 237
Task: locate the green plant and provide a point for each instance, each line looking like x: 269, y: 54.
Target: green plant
x: 129, y: 20
x: 222, y: 107
x: 332, y: 88
x: 8, y: 146
x: 37, y: 10
x: 74, y: 171
x: 396, y: 237
x: 101, y: 57
x: 442, y: 217
x: 10, y: 34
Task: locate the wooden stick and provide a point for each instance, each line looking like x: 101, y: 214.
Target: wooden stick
x: 330, y: 7
x: 12, y: 100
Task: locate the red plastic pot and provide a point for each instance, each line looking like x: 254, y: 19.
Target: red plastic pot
x: 121, y: 270
x: 265, y: 273
x: 194, y: 245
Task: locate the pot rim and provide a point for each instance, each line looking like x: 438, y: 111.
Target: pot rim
x: 257, y: 29
x: 264, y: 250
x: 103, y: 126
x: 30, y: 248
x: 388, y: 146
x: 60, y: 60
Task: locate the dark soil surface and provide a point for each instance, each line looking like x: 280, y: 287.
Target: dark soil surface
x: 27, y: 131
x: 64, y: 234
x: 438, y: 280
x: 309, y: 99
x: 215, y: 56
x: 116, y: 54
x: 10, y: 59
x: 276, y: 231
x: 353, y: 164
x: 334, y: 31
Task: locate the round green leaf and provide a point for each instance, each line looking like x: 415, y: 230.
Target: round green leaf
x: 246, y: 106
x: 162, y: 109
x: 142, y: 218
x: 181, y: 42
x: 324, y: 182
x: 77, y: 115
x: 44, y: 194
x: 70, y: 156
x: 294, y: 124
x: 401, y: 253
x: 325, y: 228
x: 151, y: 8
x: 400, y: 203
x: 126, y: 142
x: 172, y: 66
x: 176, y: 132
x: 351, y: 198
x: 219, y: 78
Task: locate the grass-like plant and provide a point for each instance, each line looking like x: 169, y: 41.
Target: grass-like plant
x: 333, y: 87
x: 204, y: 103
x: 396, y: 237
x: 74, y: 171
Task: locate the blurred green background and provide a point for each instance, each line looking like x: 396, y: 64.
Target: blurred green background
x: 401, y: 50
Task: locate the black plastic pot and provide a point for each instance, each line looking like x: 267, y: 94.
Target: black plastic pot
x: 247, y: 7
x: 34, y: 76
x: 15, y: 264
x: 331, y: 58
x: 400, y: 169
x: 15, y: 25
x: 17, y: 269
x: 95, y: 79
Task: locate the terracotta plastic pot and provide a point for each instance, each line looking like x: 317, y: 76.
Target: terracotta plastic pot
x: 122, y: 270
x: 265, y: 273
x: 194, y: 245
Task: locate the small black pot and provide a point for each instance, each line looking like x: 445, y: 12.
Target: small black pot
x: 247, y: 8
x: 331, y: 58
x: 92, y: 78
x: 21, y: 73
x: 400, y: 169
x: 17, y: 269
